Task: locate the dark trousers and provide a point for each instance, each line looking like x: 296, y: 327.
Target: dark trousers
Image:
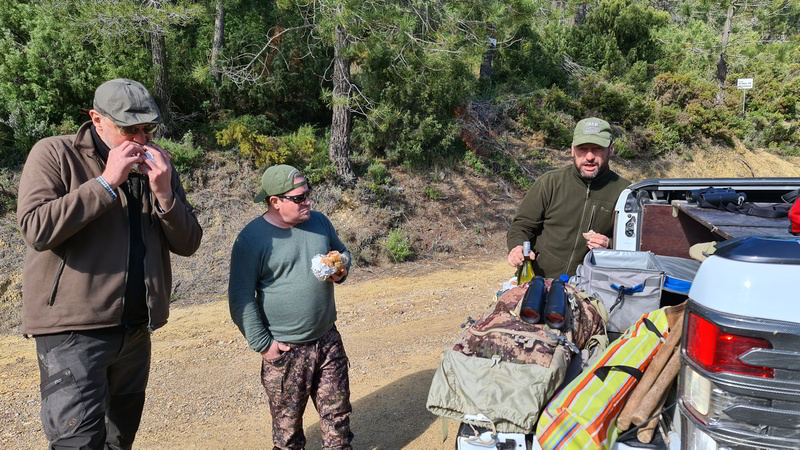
x: 93, y: 386
x: 317, y: 370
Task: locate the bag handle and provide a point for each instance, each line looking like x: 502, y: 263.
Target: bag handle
x: 602, y: 372
x: 622, y: 291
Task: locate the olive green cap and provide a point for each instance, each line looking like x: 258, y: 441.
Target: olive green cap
x: 592, y: 131
x: 279, y: 180
x: 126, y: 102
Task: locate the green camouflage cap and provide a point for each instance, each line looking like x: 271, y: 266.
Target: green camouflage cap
x: 592, y: 131
x: 126, y: 102
x: 279, y: 180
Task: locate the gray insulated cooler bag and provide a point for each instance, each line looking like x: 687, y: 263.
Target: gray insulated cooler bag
x: 628, y: 282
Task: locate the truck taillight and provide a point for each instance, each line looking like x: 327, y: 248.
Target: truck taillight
x: 717, y: 351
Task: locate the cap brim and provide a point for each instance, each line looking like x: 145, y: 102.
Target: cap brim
x: 260, y: 197
x: 591, y: 139
x: 137, y: 119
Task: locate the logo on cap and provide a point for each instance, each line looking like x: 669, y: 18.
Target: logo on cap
x: 591, y: 127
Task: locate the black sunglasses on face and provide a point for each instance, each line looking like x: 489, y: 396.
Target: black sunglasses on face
x: 299, y: 198
x: 132, y: 130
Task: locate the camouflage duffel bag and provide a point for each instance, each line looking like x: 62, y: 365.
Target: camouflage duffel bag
x: 507, y: 369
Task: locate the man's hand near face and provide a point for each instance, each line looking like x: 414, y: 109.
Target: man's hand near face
x: 119, y: 162
x: 159, y: 173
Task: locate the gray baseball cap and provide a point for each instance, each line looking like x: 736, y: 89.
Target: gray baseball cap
x: 592, y: 131
x: 279, y: 179
x: 126, y: 102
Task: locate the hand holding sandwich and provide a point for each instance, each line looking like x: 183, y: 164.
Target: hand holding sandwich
x: 596, y: 240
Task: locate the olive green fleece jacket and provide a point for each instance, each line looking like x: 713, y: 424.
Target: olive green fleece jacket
x: 557, y: 210
x: 272, y: 292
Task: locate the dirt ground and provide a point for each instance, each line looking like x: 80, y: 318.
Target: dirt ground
x: 204, y: 389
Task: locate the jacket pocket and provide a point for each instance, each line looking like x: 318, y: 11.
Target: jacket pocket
x: 62, y: 405
x: 57, y: 280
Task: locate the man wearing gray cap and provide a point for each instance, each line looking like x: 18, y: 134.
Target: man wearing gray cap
x: 288, y: 315
x: 100, y: 211
x: 570, y: 210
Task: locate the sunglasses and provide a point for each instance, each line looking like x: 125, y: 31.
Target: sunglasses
x: 298, y: 199
x: 132, y: 130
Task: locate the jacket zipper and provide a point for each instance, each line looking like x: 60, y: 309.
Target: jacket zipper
x: 128, y: 255
x: 146, y: 198
x: 578, y: 236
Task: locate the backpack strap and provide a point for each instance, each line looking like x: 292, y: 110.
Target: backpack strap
x: 776, y: 211
x: 790, y: 197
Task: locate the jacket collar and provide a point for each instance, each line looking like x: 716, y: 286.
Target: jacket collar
x: 83, y: 140
x: 596, y: 182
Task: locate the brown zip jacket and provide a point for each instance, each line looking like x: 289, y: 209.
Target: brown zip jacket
x: 557, y: 209
x: 77, y: 235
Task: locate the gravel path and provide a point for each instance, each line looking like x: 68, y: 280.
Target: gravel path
x: 204, y: 390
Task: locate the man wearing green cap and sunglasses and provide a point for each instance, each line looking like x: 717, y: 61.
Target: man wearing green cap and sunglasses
x: 288, y: 315
x: 570, y: 210
x: 101, y: 211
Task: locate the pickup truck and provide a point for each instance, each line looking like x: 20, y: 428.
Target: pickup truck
x: 739, y: 384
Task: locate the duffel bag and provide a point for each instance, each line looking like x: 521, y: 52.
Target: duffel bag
x: 584, y: 413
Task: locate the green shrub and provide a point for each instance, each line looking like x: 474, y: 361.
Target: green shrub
x: 663, y: 139
x: 295, y: 148
x: 432, y: 193
x: 377, y: 173
x: 399, y: 245
x: 185, y: 156
x: 261, y: 150
x: 624, y: 149
x: 472, y: 160
x: 611, y: 102
x: 300, y: 144
x: 550, y: 111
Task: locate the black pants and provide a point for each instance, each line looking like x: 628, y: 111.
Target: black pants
x: 93, y: 385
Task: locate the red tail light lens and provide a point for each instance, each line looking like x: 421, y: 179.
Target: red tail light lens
x: 717, y: 351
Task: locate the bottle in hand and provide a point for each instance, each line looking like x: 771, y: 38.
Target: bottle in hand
x: 533, y: 301
x: 525, y: 271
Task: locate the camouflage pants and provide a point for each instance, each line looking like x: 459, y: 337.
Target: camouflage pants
x: 317, y: 370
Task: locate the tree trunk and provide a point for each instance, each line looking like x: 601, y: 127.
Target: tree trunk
x: 161, y: 82
x: 219, y: 41
x: 580, y: 13
x: 486, y: 65
x: 339, y: 150
x: 161, y: 89
x: 722, y: 65
x: 216, y: 49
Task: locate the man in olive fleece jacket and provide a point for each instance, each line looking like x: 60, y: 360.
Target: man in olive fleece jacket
x: 288, y: 315
x: 564, y: 204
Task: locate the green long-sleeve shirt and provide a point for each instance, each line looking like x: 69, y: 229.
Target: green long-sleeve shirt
x: 557, y: 209
x: 272, y: 292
